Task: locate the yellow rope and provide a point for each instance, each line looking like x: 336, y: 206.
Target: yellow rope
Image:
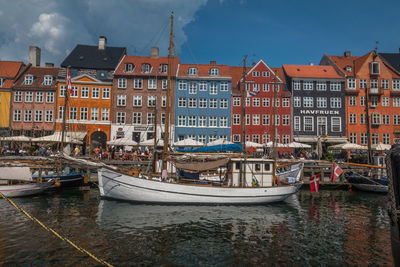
x: 55, y: 233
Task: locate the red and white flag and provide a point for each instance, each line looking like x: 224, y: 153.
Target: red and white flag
x: 69, y: 84
x: 336, y: 172
x: 314, y: 183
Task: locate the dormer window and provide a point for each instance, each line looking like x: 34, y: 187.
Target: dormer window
x: 1, y: 82
x: 192, y: 71
x: 28, y: 79
x: 129, y: 67
x: 375, y: 68
x: 48, y: 80
x: 146, y: 68
x: 214, y: 72
x: 348, y: 68
x: 163, y: 68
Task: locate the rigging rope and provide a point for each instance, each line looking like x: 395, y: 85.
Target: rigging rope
x: 82, y: 250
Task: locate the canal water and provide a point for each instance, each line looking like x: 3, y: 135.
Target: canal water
x: 332, y: 228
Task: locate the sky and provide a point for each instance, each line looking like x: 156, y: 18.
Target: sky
x: 278, y: 32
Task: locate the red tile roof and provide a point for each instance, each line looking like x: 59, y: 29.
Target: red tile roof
x: 355, y: 63
x: 137, y: 62
x: 311, y: 71
x: 38, y: 77
x: 9, y: 70
x: 203, y: 70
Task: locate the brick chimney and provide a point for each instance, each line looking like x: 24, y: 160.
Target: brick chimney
x: 347, y: 53
x: 34, y: 56
x: 154, y: 52
x: 213, y: 62
x: 102, y: 42
x: 49, y: 65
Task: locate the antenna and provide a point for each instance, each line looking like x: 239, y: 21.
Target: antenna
x: 376, y: 46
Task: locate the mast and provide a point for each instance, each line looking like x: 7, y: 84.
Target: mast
x: 274, y: 150
x: 64, y: 119
x: 167, y: 115
x: 155, y: 139
x: 243, y: 133
x: 368, y: 125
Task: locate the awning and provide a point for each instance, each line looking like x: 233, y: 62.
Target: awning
x: 69, y: 137
x: 202, y: 166
x: 19, y: 138
x: 314, y: 139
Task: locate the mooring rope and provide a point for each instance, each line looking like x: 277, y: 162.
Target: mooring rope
x: 82, y: 250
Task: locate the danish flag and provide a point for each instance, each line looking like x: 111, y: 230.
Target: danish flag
x: 314, y: 183
x: 251, y: 94
x: 336, y: 172
x: 69, y: 84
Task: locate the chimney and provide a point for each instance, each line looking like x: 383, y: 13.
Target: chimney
x: 102, y: 42
x: 347, y: 54
x: 311, y: 63
x: 34, y: 56
x: 213, y: 62
x: 154, y: 52
x: 49, y: 65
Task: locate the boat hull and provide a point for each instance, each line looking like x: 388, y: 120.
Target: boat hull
x: 23, y: 190
x: 371, y: 188
x: 129, y: 188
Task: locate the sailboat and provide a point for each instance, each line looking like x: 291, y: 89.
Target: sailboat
x: 244, y: 181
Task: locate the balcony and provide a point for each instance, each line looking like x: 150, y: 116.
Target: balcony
x: 375, y: 91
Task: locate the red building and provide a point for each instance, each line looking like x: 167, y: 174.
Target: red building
x: 259, y: 126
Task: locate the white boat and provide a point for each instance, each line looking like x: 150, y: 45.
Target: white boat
x: 18, y: 182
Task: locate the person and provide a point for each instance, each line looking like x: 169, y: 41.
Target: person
x: 96, y: 150
x: 76, y: 151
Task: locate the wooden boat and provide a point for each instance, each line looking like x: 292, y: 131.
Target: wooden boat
x: 18, y: 182
x: 372, y: 181
x: 63, y: 179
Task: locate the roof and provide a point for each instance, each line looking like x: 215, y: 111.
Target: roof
x: 355, y: 63
x: 393, y: 59
x: 90, y: 57
x: 279, y: 72
x: 236, y: 73
x: 137, y: 62
x: 38, y: 77
x: 9, y: 70
x: 203, y: 70
x: 311, y: 71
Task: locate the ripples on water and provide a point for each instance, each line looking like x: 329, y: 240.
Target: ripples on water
x: 335, y: 228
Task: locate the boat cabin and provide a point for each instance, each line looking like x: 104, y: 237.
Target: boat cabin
x: 257, y: 168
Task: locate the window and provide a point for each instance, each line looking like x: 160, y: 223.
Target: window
x: 296, y: 85
x: 73, y: 113
x: 374, y: 101
x: 212, y: 138
x: 374, y: 68
x: 182, y: 85
x: 151, y: 101
x: 351, y: 83
x: 192, y: 102
x: 152, y: 84
x: 297, y: 102
x: 285, y: 119
x: 336, y: 124
x: 85, y: 92
x: 256, y: 139
x: 224, y: 86
x: 137, y: 83
x: 202, y: 121
x: 146, y: 68
x: 286, y: 139
x: 192, y: 88
x: 385, y: 84
x: 121, y: 83
x: 17, y: 115
x: 28, y: 96
x: 385, y: 119
x: 106, y: 93
x: 364, y: 138
x: 265, y: 102
x: 214, y: 72
x: 28, y: 79
x: 375, y: 138
x: 84, y: 114
x: 95, y: 92
x: 256, y: 74
x: 363, y: 83
x: 276, y: 87
x: 256, y: 119
x: 256, y: 102
x: 256, y: 87
x: 47, y: 80
x: 164, y: 84
x: 285, y: 102
x: 192, y: 121
x: 223, y: 103
x: 192, y: 71
x: 50, y: 97
x: 396, y: 119
x: 265, y: 73
x: 163, y: 101
x: 352, y: 118
x: 163, y: 118
x: 236, y: 101
x: 212, y: 121
x: 18, y: 96
x: 181, y: 102
x: 137, y: 118
x: 60, y: 112
x: 321, y: 102
x: 181, y: 120
x: 308, y: 102
x: 121, y: 100
x: 213, y: 103
x: 75, y: 91
x: 307, y: 85
x: 352, y: 100
x: 163, y: 68
x: 335, y: 86
x: 28, y: 115
x: 62, y: 90
x: 385, y: 101
x: 321, y: 86
x: 374, y: 84
x: 296, y: 123
x: 362, y: 119
x: 376, y: 119
x: 236, y: 138
x: 247, y: 119
x: 266, y: 138
x: 396, y: 84
x: 49, y: 116
x: 128, y: 67
x: 105, y: 114
x: 396, y: 101
x: 121, y: 117
x: 213, y: 88
x: 266, y: 119
x: 223, y: 122
x: 277, y: 120
x: 137, y: 100
x: 39, y: 97
x: 362, y: 100
x: 1, y: 82
x: 266, y: 87
x: 202, y: 138
x: 336, y: 102
x: 386, y: 138
x: 308, y: 124
x: 236, y: 119
x: 353, y: 138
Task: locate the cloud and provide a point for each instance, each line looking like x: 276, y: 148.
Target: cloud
x: 58, y: 26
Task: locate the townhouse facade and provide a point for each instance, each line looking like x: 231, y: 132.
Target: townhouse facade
x: 318, y: 103
x: 8, y: 72
x: 370, y: 82
x: 33, y: 99
x: 203, y: 102
x: 267, y: 99
x: 139, y: 98
x: 89, y: 104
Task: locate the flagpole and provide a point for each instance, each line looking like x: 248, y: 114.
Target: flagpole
x: 67, y: 89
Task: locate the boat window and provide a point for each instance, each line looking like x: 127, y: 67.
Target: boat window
x: 257, y: 167
x: 237, y: 166
x: 267, y: 167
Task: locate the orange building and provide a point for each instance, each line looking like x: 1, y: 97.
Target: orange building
x: 89, y: 105
x: 369, y: 80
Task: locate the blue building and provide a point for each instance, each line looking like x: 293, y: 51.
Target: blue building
x: 203, y: 102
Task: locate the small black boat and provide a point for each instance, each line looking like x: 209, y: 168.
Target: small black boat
x: 368, y: 184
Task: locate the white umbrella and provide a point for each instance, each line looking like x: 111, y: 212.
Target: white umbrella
x: 219, y: 142
x: 297, y: 145
x: 150, y: 142
x: 271, y: 144
x: 188, y: 142
x: 381, y: 147
x: 20, y: 138
x: 349, y: 146
x: 253, y: 144
x: 122, y: 142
